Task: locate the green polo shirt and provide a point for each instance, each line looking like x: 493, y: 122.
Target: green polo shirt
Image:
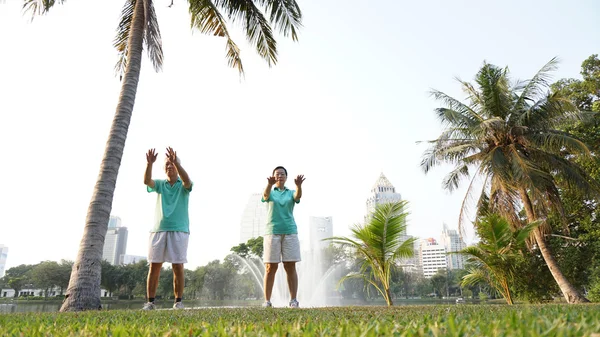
x: 171, y: 207
x: 280, y: 217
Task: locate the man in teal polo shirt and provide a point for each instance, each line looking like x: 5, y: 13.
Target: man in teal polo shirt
x: 169, y: 238
x: 281, y: 242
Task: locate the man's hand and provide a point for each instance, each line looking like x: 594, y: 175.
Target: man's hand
x: 171, y: 155
x: 271, y: 181
x: 151, y: 156
x: 299, y: 180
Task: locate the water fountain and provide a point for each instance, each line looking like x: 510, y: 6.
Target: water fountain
x: 316, y: 284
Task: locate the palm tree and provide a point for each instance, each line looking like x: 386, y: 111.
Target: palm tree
x: 138, y: 28
x: 509, y: 134
x: 494, y: 258
x: 381, y: 243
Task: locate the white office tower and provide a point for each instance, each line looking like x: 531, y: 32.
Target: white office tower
x: 114, y: 222
x: 320, y: 227
x: 115, y: 242
x: 254, y: 218
x: 3, y: 257
x: 432, y: 257
x: 453, y: 243
x: 382, y: 192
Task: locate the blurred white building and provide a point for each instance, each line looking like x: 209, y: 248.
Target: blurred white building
x: 254, y: 218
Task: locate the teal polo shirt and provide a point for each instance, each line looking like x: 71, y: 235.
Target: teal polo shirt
x: 173, y: 212
x: 280, y: 217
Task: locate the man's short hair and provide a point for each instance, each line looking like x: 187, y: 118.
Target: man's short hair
x: 279, y: 167
x: 178, y: 161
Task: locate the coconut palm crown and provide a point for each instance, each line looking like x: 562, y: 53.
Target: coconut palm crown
x: 507, y: 139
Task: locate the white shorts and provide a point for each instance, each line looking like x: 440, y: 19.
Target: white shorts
x: 281, y: 247
x: 168, y: 247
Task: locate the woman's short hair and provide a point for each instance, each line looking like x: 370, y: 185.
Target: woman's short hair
x: 279, y: 167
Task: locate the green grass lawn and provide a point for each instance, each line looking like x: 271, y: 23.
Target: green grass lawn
x: 431, y: 320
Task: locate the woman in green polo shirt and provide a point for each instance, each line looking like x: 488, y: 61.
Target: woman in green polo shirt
x: 281, y: 242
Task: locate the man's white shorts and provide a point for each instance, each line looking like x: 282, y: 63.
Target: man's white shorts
x: 281, y: 247
x: 168, y: 247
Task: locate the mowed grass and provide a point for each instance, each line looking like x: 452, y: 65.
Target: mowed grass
x: 431, y: 320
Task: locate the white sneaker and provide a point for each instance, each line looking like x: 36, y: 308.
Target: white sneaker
x: 178, y: 305
x: 294, y: 304
x: 267, y: 304
x: 149, y: 306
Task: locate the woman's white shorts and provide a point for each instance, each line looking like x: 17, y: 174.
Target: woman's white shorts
x: 281, y: 247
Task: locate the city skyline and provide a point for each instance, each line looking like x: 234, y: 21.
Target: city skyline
x: 115, y: 241
x: 342, y: 105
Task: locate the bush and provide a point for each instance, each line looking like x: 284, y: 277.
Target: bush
x: 594, y: 292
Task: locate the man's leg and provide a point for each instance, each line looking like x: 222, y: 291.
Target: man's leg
x: 152, y: 282
x: 270, y: 271
x: 292, y: 278
x: 178, y: 280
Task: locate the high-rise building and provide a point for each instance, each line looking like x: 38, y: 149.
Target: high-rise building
x: 411, y: 264
x: 453, y: 243
x: 432, y: 257
x: 3, y: 257
x: 114, y: 222
x: 319, y: 228
x: 382, y: 192
x: 115, y: 242
x: 254, y: 218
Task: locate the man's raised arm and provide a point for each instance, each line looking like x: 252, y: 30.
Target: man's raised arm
x: 150, y: 159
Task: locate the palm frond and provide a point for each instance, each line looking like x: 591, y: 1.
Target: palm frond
x: 404, y: 250
x: 505, y: 200
x: 361, y: 248
x: 524, y: 171
x: 383, y: 230
x: 429, y: 160
x: 152, y: 38
x: 555, y: 142
x: 530, y: 90
x: 572, y: 174
x: 498, y: 163
x: 473, y: 95
x: 551, y: 112
x: 122, y: 38
x: 473, y: 277
x: 448, y: 149
x: 284, y: 15
x: 39, y: 7
x: 492, y: 124
x: 257, y: 28
x: 524, y: 233
x: 208, y: 20
x: 457, y: 113
x: 464, y: 206
x: 494, y: 87
x: 453, y: 178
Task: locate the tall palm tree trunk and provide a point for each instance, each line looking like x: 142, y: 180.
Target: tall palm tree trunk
x: 571, y: 294
x: 83, y: 292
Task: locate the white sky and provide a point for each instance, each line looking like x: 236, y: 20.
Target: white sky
x: 347, y: 102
